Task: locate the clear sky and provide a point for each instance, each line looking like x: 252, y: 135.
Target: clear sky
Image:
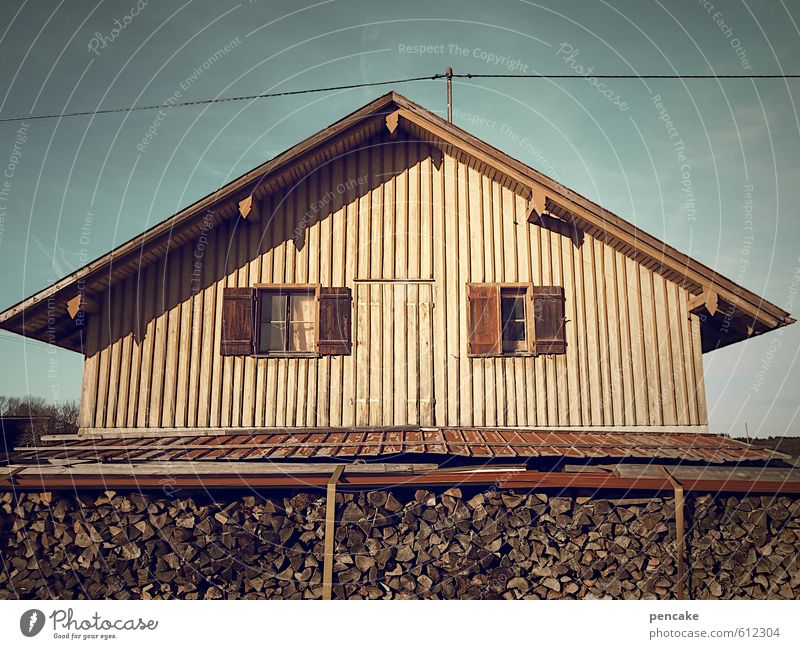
x: 722, y: 186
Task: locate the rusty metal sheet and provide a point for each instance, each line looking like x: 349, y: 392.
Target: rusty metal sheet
x: 520, y: 444
x: 435, y: 441
x: 281, y: 446
x: 237, y: 453
x: 372, y: 445
x: 337, y: 440
x: 394, y: 442
x: 352, y: 444
x: 476, y: 444
x: 567, y: 443
x: 297, y: 445
x: 414, y: 442
x: 542, y: 441
x: 216, y: 453
x: 454, y: 441
x: 622, y: 444
x: 501, y: 443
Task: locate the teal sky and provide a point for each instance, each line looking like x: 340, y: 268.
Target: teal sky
x: 724, y: 186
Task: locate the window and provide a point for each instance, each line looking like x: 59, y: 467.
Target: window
x: 512, y: 314
x: 287, y: 321
x: 515, y: 319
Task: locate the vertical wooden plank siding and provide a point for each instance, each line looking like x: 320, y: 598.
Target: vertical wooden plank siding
x: 405, y: 227
x: 115, y: 395
x: 451, y: 288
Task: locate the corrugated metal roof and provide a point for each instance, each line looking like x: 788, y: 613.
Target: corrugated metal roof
x: 478, y: 444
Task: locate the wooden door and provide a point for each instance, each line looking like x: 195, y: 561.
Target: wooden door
x: 393, y: 354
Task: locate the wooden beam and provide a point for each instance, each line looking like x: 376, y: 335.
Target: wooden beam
x: 722, y: 473
x: 50, y: 477
x: 330, y: 525
x: 679, y: 532
x: 81, y: 303
x: 201, y: 468
x: 10, y: 473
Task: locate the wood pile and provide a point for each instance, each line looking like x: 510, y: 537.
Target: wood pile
x: 394, y: 544
x: 745, y: 547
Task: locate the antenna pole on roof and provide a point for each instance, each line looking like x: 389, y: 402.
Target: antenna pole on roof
x: 449, y: 74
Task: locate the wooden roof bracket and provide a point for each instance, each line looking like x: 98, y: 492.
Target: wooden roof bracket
x: 330, y: 530
x: 536, y: 204
x: 679, y: 532
x: 716, y: 307
x: 392, y: 120
x: 81, y: 304
x: 250, y: 208
x: 708, y: 300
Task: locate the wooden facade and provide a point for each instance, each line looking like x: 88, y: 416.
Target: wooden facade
x: 406, y: 227
x: 393, y: 219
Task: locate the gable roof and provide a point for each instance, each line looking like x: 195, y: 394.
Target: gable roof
x: 731, y: 312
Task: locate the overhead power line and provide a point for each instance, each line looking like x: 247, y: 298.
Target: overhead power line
x: 433, y: 77
x: 626, y: 76
x: 218, y: 100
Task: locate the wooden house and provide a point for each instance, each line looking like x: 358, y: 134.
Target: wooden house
x: 393, y: 304
x: 393, y: 272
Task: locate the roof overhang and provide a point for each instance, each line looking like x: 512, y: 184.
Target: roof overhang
x: 56, y: 314
x: 462, y: 444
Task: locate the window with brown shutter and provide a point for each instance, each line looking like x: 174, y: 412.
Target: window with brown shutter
x: 286, y: 319
x: 335, y: 321
x: 515, y: 320
x: 237, y: 322
x: 548, y: 319
x: 483, y: 319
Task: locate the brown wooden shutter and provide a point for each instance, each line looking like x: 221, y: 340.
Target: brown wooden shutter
x: 335, y: 321
x: 483, y: 309
x: 237, y: 321
x: 548, y: 320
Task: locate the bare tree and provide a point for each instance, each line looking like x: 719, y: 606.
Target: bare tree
x: 43, y: 418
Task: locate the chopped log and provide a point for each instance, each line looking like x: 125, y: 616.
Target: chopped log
x: 394, y: 544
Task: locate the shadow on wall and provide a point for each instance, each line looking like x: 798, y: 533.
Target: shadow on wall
x: 228, y: 245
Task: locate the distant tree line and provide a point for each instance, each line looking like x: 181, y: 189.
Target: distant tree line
x: 25, y: 419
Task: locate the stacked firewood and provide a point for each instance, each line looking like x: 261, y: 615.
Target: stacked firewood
x: 396, y: 544
x: 746, y: 547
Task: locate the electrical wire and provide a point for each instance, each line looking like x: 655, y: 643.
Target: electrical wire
x: 627, y: 76
x: 219, y: 100
x: 433, y: 77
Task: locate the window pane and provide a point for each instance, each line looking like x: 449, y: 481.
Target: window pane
x: 287, y: 321
x: 301, y: 307
x: 273, y: 307
x: 273, y: 337
x: 301, y: 338
x: 512, y: 309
